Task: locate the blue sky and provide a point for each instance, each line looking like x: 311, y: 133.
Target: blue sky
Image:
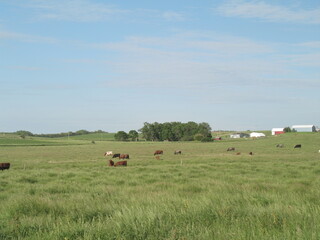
x: 67, y: 65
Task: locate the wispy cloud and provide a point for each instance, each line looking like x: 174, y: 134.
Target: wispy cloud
x: 74, y: 10
x: 26, y: 37
x: 268, y: 12
x: 173, y: 16
x: 190, y: 62
x: 91, y: 11
x: 25, y: 68
x: 315, y: 44
x: 207, y: 62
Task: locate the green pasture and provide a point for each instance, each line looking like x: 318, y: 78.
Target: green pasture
x: 66, y: 190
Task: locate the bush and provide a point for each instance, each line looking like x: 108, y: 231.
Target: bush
x: 198, y: 137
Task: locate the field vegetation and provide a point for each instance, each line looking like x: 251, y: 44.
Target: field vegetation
x: 64, y: 189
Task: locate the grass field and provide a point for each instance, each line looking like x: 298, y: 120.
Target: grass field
x: 64, y: 190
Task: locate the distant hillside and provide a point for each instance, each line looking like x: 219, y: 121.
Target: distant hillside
x: 9, y: 139
x: 92, y: 137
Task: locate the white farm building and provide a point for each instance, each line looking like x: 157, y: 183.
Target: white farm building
x: 239, y: 135
x: 256, y: 135
x: 304, y: 128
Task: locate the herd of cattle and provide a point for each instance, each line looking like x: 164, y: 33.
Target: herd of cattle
x: 160, y: 152
x: 4, y: 166
x: 126, y: 156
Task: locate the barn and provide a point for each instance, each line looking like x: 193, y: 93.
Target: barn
x: 303, y: 128
x: 277, y: 131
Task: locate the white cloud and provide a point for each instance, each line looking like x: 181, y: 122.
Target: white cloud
x: 268, y: 12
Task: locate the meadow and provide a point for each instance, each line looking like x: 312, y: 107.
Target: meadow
x: 64, y: 189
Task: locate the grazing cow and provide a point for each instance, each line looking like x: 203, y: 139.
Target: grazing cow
x: 124, y: 156
x: 111, y: 163
x: 238, y: 153
x: 116, y: 155
x: 177, y: 152
x: 231, y: 149
x: 158, y: 152
x: 121, y: 163
x: 158, y: 157
x: 4, y: 166
x: 251, y: 153
x: 297, y: 146
x: 280, y: 145
x: 108, y: 153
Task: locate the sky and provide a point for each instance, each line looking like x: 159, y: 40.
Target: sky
x: 67, y: 65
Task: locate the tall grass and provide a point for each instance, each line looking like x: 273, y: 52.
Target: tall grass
x: 69, y: 192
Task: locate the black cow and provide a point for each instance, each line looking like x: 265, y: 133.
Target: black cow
x: 297, y: 146
x: 116, y: 155
x: 4, y: 166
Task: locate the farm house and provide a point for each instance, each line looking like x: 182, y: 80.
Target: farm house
x: 277, y: 131
x: 304, y: 128
x: 239, y: 135
x: 256, y: 135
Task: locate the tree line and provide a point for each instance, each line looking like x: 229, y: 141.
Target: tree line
x: 176, y: 131
x: 24, y: 133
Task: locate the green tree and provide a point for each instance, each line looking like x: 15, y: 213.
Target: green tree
x: 204, y: 128
x: 207, y: 138
x: 24, y: 133
x: 82, y: 132
x: 287, y: 129
x: 146, y: 131
x: 121, y: 136
x: 133, y: 134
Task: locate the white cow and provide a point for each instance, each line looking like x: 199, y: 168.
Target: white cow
x: 109, y: 153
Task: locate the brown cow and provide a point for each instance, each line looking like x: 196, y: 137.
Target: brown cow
x: 121, y: 163
x: 111, y: 163
x: 4, y: 166
x: 238, y: 153
x: 251, y: 153
x: 158, y: 152
x: 124, y: 156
